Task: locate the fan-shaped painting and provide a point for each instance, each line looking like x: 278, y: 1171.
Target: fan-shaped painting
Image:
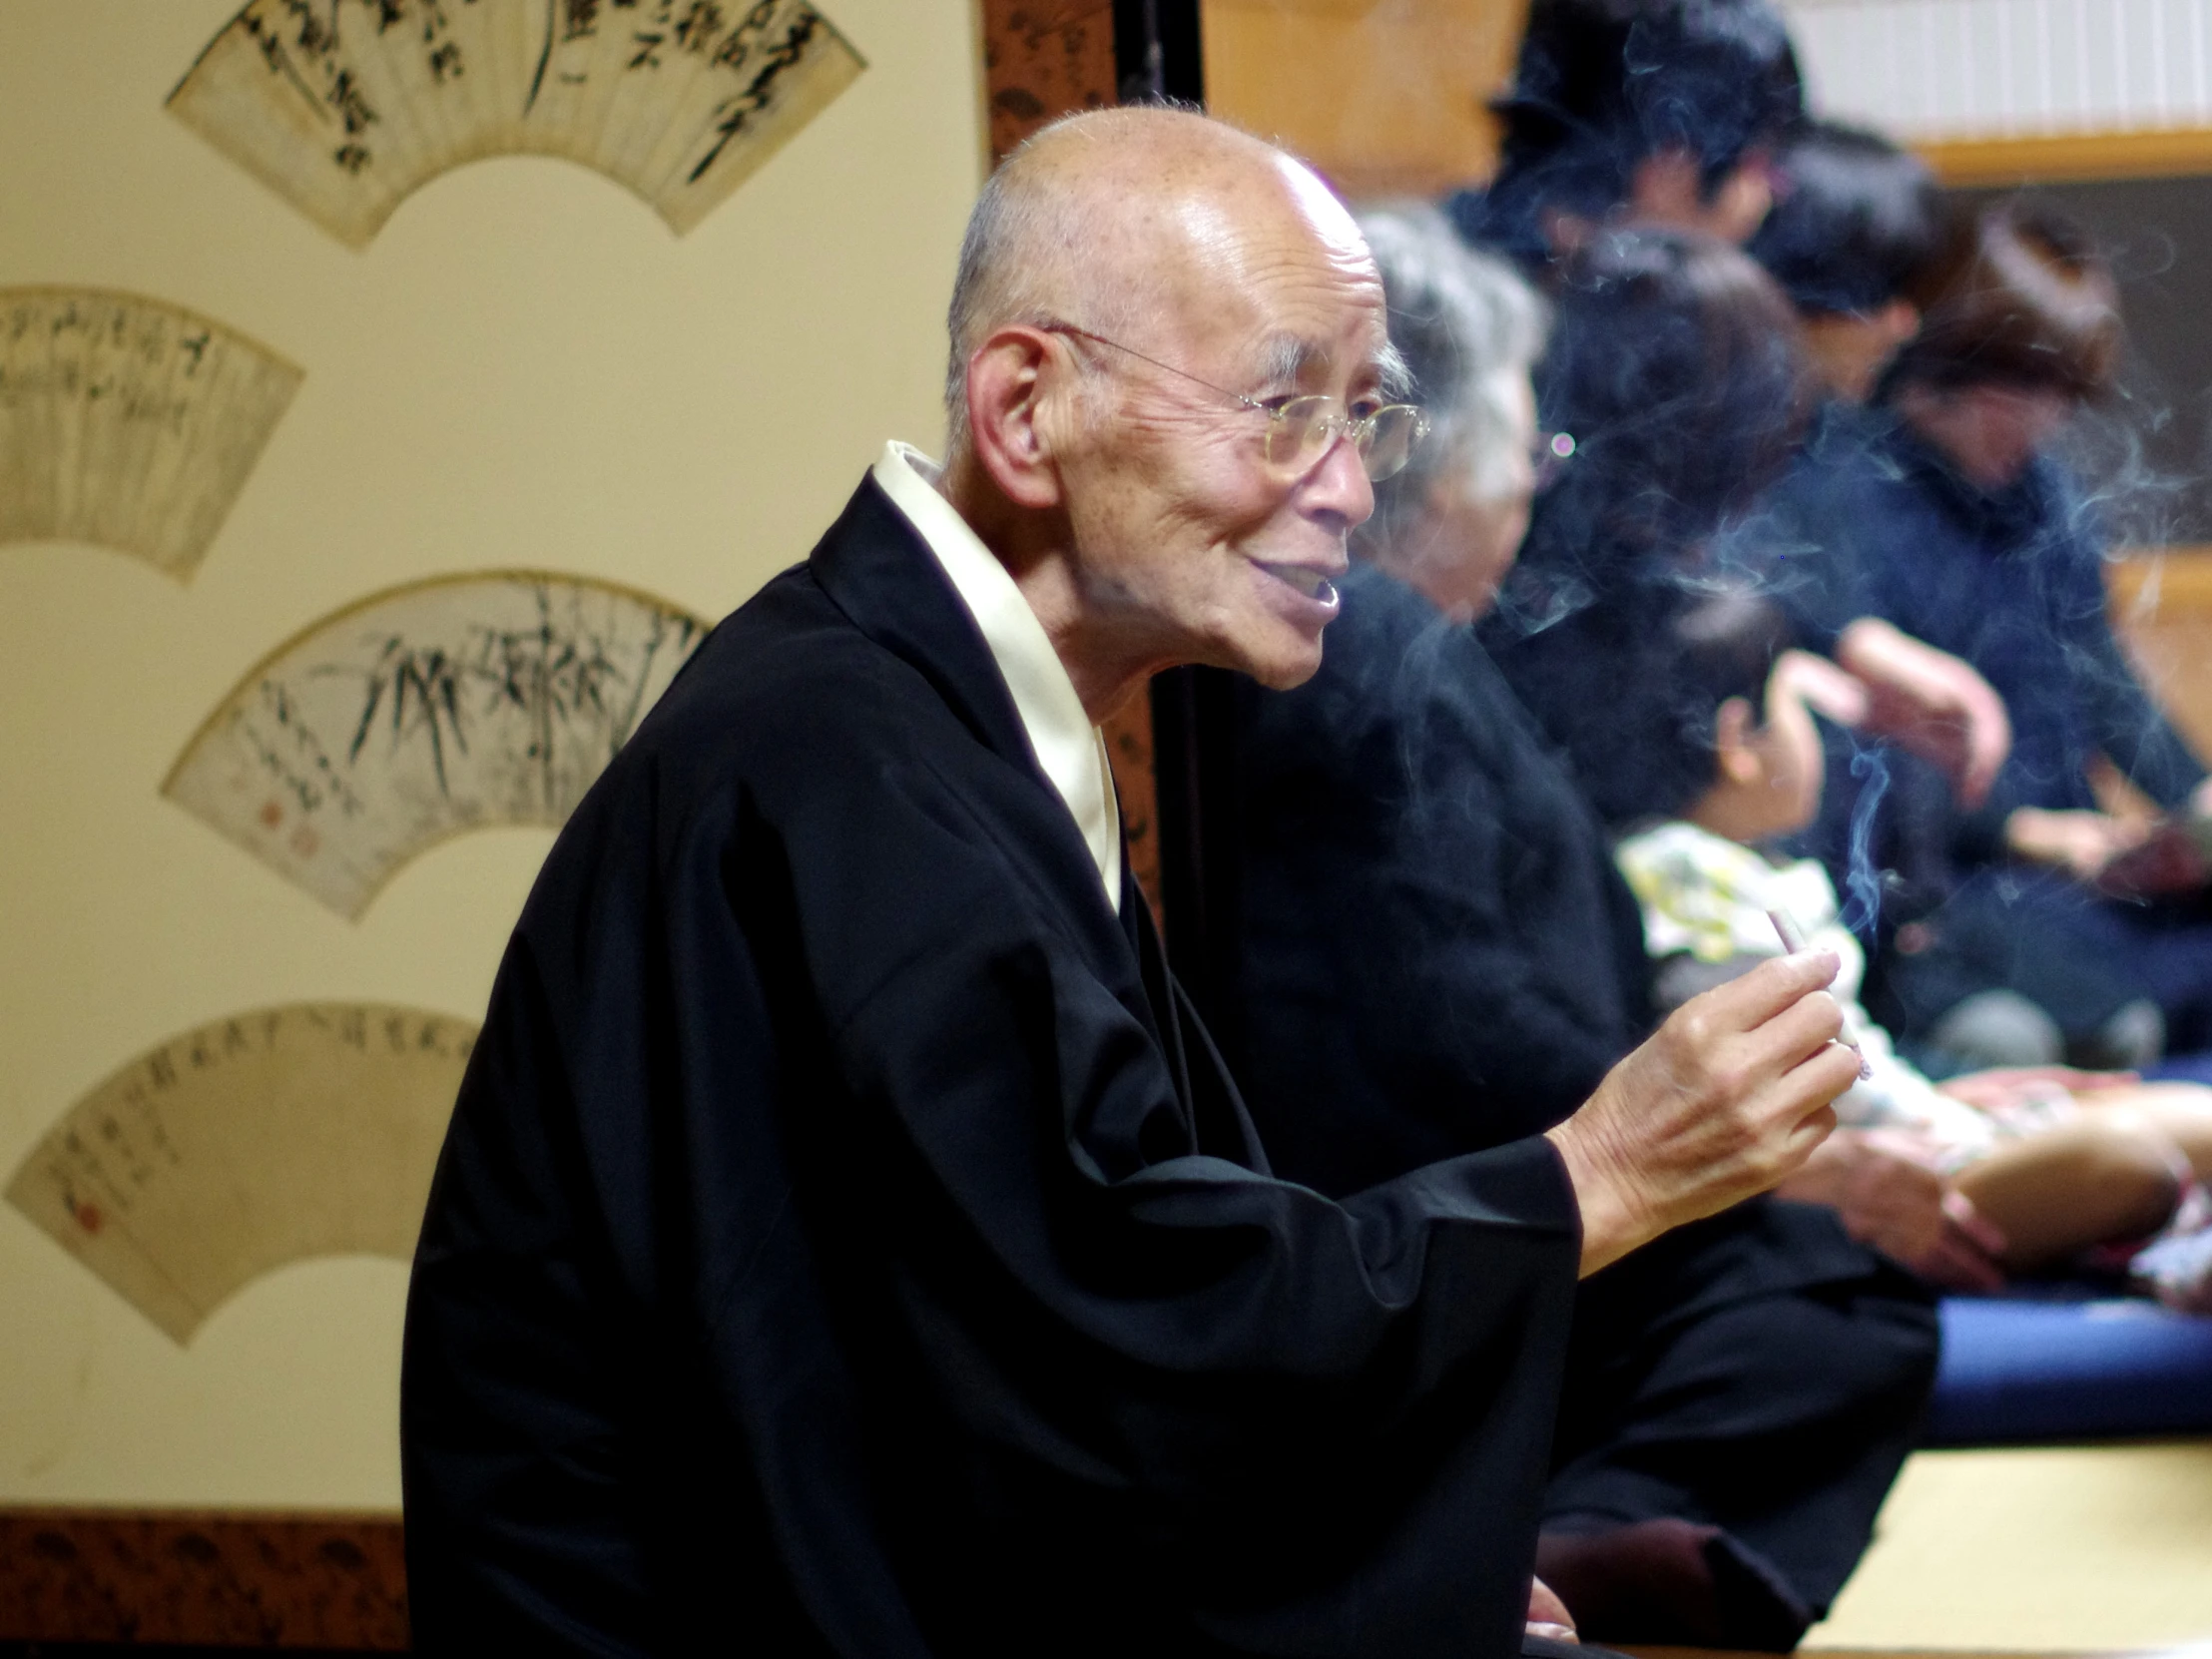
x: 345, y: 107
x: 128, y: 421
x: 275, y: 1135
x: 447, y: 705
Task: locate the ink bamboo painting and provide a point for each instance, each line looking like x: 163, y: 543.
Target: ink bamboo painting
x: 128, y: 421
x: 420, y: 713
x: 345, y: 107
x: 273, y: 1136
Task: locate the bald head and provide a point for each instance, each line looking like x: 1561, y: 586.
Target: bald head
x: 1128, y: 221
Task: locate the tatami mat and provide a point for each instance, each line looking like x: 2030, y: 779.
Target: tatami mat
x: 2077, y: 1549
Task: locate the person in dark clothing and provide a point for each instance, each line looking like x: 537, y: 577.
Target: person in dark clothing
x: 1676, y: 365
x: 1439, y: 955
x: 1857, y: 220
x: 1667, y: 114
x: 846, y: 1241
x: 1635, y: 112
x: 1950, y: 518
x: 1857, y: 224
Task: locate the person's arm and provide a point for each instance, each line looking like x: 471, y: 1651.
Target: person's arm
x: 1931, y: 703
x: 2081, y: 843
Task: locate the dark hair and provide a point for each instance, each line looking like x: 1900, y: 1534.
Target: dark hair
x: 1602, y: 84
x: 2018, y: 296
x: 1718, y: 645
x: 1858, y: 218
x: 1678, y: 367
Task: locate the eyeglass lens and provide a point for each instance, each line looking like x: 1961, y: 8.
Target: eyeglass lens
x: 1301, y: 428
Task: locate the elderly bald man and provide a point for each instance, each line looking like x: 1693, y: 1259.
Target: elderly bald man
x: 847, y: 1241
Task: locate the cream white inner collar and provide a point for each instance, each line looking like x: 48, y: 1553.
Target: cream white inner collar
x: 1070, y: 750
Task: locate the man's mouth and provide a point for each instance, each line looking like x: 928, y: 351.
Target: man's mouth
x: 1314, y: 584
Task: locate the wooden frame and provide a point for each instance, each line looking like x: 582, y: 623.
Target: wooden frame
x: 179, y: 1578
x: 2052, y: 159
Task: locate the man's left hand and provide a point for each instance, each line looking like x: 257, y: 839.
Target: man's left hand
x: 1547, y: 1614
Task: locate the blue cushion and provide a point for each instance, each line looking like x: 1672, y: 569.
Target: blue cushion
x: 2181, y: 1068
x: 2016, y: 1370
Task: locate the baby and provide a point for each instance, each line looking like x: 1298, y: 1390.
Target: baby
x: 2039, y: 1166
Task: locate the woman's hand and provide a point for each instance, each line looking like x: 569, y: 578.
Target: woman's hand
x: 2081, y: 843
x: 1930, y: 702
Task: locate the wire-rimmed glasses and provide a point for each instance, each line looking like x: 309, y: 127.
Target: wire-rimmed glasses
x: 1302, y: 427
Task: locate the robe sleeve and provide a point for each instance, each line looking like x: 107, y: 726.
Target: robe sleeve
x: 969, y: 1031
x: 1111, y: 1321
x: 871, y: 1119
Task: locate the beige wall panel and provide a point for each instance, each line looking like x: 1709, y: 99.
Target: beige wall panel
x: 1385, y: 95
x: 524, y: 368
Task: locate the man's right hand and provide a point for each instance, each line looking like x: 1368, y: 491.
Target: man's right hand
x: 1724, y: 1100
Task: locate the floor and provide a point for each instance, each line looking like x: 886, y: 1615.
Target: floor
x: 2051, y: 1549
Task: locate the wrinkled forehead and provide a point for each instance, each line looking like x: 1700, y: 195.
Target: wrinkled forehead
x: 1280, y: 270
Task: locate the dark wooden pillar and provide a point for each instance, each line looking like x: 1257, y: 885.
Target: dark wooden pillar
x: 1043, y: 59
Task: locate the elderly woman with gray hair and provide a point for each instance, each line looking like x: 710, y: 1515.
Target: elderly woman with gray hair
x: 1437, y: 955
x: 1469, y: 328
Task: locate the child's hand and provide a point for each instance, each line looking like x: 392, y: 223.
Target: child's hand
x: 2005, y: 1089
x: 1892, y: 1202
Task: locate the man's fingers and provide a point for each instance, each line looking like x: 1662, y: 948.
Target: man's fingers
x: 1547, y: 1613
x: 1750, y: 1001
x: 1804, y: 1030
x: 1806, y: 1135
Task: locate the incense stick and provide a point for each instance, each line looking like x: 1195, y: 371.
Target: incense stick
x: 1793, y: 941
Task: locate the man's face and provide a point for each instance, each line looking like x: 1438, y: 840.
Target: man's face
x: 1187, y: 538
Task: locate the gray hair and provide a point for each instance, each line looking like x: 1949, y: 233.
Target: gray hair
x: 1464, y: 322
x: 1003, y: 217
x: 1021, y: 247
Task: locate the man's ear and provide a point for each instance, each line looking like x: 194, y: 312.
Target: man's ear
x: 1733, y: 724
x: 1017, y: 392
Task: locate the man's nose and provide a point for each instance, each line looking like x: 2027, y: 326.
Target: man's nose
x: 1338, y: 485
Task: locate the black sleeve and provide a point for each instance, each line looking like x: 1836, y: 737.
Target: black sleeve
x: 852, y: 1131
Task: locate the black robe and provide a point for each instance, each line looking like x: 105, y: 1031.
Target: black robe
x: 847, y: 1241
x: 1441, y: 957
